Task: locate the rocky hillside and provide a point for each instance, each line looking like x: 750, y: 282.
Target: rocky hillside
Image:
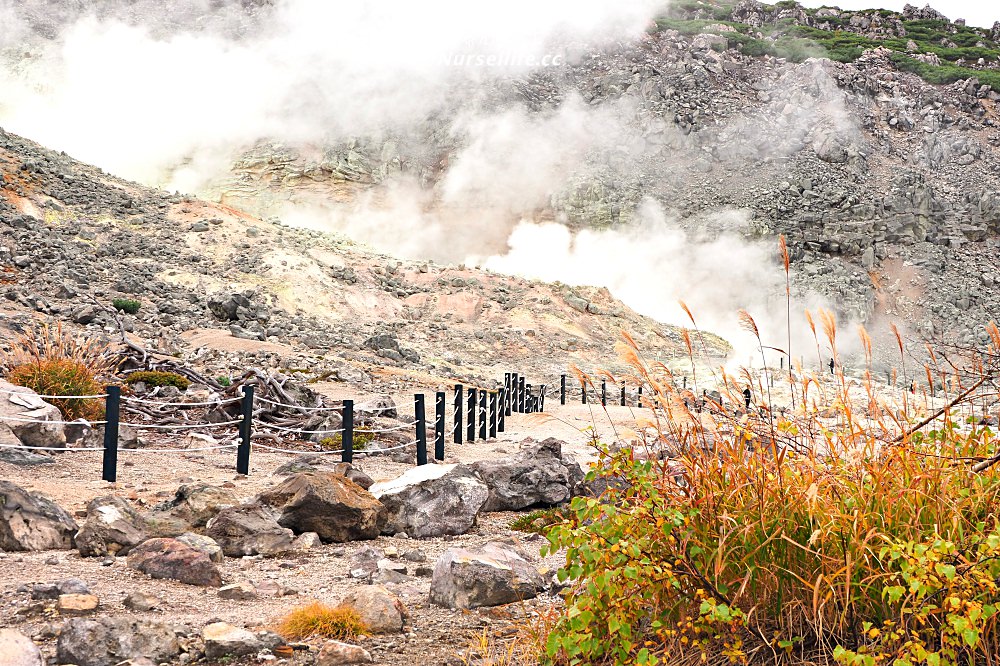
x: 230, y: 290
x: 816, y: 124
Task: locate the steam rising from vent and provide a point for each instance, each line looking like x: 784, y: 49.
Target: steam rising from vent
x: 145, y: 90
x: 170, y: 94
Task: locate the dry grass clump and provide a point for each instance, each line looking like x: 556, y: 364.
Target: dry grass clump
x: 845, y: 531
x: 49, y: 361
x: 320, y: 620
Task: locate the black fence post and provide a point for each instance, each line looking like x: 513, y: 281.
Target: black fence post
x: 604, y: 393
x: 529, y: 397
x: 483, y: 416
x: 512, y: 409
x: 347, y: 437
x: 508, y: 390
x: 493, y: 414
x: 562, y: 390
x: 502, y: 398
x: 112, y: 410
x: 541, y: 398
x: 459, y: 406
x: 639, y: 397
x: 420, y: 415
x: 470, y: 432
x: 583, y: 392
x: 439, y: 401
x: 623, y: 394
x: 243, y: 451
x: 520, y: 395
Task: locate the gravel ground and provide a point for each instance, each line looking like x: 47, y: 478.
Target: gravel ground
x: 435, y: 635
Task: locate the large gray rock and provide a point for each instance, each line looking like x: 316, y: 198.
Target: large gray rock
x: 16, y: 649
x: 336, y: 653
x: 222, y: 639
x: 319, y: 462
x: 197, y: 504
x: 432, y: 500
x: 10, y: 451
x: 203, y: 543
x: 493, y: 575
x: 381, y: 611
x: 108, y: 641
x: 112, y: 527
x: 29, y: 521
x: 328, y: 504
x: 170, y: 558
x: 538, y: 475
x: 249, y: 529
x: 18, y: 404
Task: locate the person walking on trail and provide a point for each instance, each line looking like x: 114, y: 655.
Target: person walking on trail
x: 747, y: 397
x: 831, y: 366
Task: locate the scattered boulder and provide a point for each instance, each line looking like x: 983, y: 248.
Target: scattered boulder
x: 493, y: 575
x: 538, y: 475
x: 54, y: 590
x: 112, y: 527
x: 249, y: 529
x: 197, y: 504
x: 335, y: 508
x: 110, y: 640
x: 335, y: 653
x: 29, y: 521
x: 142, y: 602
x: 222, y: 639
x: 19, y: 404
x: 203, y: 543
x: 9, y: 453
x: 307, y: 541
x: 169, y: 558
x: 16, y: 649
x: 318, y: 462
x: 432, y: 500
x: 380, y: 610
x: 242, y: 591
x: 77, y: 604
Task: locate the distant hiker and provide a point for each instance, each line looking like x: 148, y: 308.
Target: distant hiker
x: 831, y: 366
x: 747, y: 397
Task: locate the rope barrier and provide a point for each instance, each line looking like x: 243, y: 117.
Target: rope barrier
x: 300, y: 430
x: 49, y: 448
x: 54, y: 397
x: 374, y: 432
x: 200, y: 448
x: 180, y: 426
x: 277, y: 450
x: 369, y: 408
x: 305, y: 409
x: 17, y: 420
x: 228, y: 401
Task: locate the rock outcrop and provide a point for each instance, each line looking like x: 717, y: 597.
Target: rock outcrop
x: 432, y: 500
x: 29, y: 521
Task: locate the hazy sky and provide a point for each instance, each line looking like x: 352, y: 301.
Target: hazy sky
x: 976, y: 12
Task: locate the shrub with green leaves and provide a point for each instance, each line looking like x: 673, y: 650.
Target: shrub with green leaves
x: 336, y: 442
x: 126, y: 305
x: 156, y: 378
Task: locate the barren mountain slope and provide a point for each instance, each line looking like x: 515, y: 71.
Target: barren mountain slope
x: 74, y: 238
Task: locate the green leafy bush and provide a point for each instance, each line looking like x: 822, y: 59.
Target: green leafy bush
x: 155, y: 378
x: 336, y: 441
x: 126, y: 305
